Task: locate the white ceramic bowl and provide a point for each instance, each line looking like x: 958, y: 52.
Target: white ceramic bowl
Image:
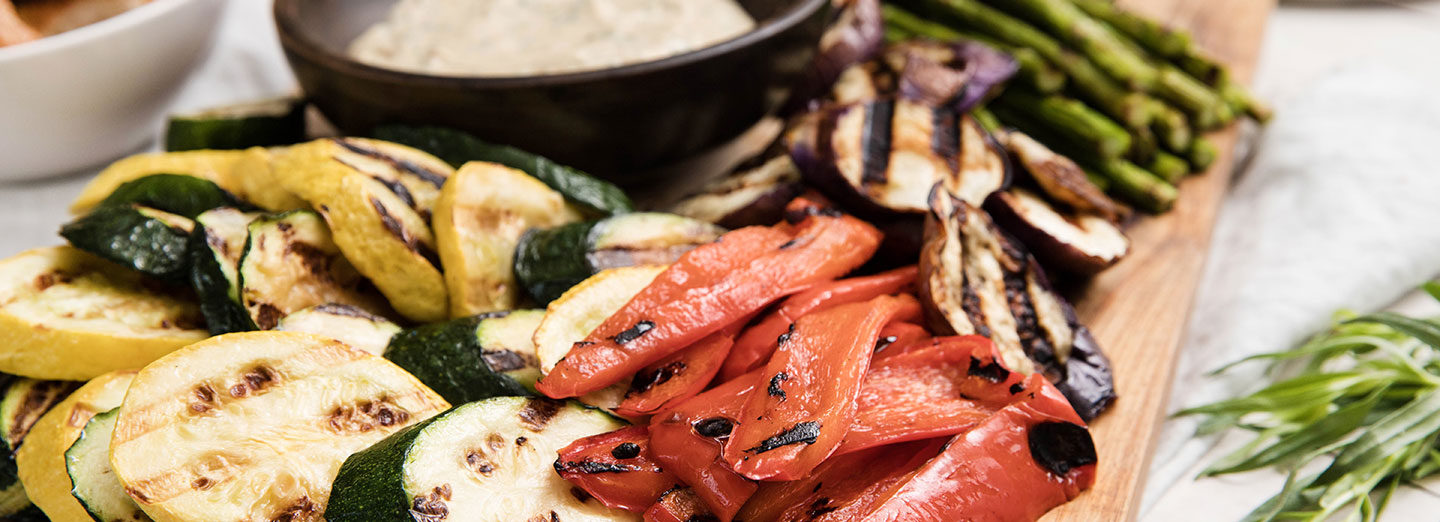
x: 83, y: 97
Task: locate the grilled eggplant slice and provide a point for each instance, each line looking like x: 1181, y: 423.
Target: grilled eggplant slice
x: 881, y: 158
x: 254, y: 425
x: 1060, y: 178
x: 353, y: 326
x: 594, y: 196
x: 490, y: 460
x: 751, y: 196
x: 1082, y: 244
x: 68, y: 315
x: 263, y: 123
x: 976, y: 280
x: 580, y: 310
x: 549, y: 262
x: 216, y: 247
x: 87, y: 463
x: 153, y: 242
x: 468, y: 359
x: 483, y: 212
x: 214, y: 165
x: 290, y: 264
x: 856, y: 33
x: 41, y: 459
x: 187, y: 196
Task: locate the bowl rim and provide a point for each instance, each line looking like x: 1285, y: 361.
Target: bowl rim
x: 294, y: 40
x: 80, y: 35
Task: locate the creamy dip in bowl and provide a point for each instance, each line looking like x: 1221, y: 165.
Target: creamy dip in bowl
x: 501, y: 38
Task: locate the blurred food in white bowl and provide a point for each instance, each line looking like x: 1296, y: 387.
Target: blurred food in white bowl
x: 86, y: 81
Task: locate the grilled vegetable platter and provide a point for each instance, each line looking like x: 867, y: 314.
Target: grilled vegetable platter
x: 861, y: 322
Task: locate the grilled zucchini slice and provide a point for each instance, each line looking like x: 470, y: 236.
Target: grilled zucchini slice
x: 596, y: 197
x: 290, y: 263
x: 580, y: 311
x: 472, y: 358
x: 150, y: 241
x: 353, y: 326
x: 214, y: 165
x: 41, y: 458
x: 279, y: 121
x: 254, y: 425
x: 187, y: 196
x: 549, y: 262
x: 216, y: 247
x: 483, y: 211
x: 25, y: 400
x: 487, y: 461
x: 69, y: 315
x: 93, y: 483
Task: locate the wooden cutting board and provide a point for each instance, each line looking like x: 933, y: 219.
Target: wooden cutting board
x: 1139, y: 309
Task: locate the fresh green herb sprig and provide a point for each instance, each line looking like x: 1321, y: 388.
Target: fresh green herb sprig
x: 1366, y: 397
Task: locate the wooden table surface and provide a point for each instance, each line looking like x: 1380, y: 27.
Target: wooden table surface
x: 1139, y: 309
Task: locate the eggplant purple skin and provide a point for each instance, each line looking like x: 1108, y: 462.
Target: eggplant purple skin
x: 850, y: 43
x: 1089, y: 380
x: 989, y: 68
x: 765, y: 210
x: 1053, y: 253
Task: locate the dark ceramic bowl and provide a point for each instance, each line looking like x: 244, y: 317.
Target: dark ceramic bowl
x: 615, y: 122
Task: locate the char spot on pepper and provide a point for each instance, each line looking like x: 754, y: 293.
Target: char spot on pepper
x: 634, y: 332
x: 774, y: 389
x: 626, y: 450
x: 803, y: 433
x: 992, y: 372
x: 652, y: 377
x: 820, y: 507
x: 1016, y: 388
x: 714, y: 427
x: 1061, y: 446
x: 785, y: 337
x: 590, y: 467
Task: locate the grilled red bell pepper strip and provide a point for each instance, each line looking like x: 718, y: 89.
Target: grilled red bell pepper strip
x: 1017, y: 465
x: 679, y: 505
x: 679, y: 376
x: 804, y: 401
x: 945, y: 389
x: 689, y: 440
x: 900, y: 337
x: 842, y: 486
x: 616, y: 468
x: 706, y: 289
x: 754, y: 347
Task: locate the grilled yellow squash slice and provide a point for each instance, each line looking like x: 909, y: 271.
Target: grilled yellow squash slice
x: 255, y: 425
x: 258, y: 182
x: 41, y: 459
x: 68, y: 315
x: 312, y: 170
x: 214, y: 165
x: 483, y: 210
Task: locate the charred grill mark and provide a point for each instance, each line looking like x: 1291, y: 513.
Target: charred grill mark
x: 431, y: 507
x: 254, y: 381
x: 521, y: 441
x: 774, y: 389
x: 476, y: 462
x: 315, y: 260
x: 875, y: 142
x: 626, y: 450
x: 820, y: 507
x: 970, y: 302
x: 714, y: 427
x: 398, y: 230
x: 1061, y: 446
x: 303, y: 510
x: 992, y: 371
x: 803, y: 433
x: 785, y: 337
x: 423, y: 173
x: 201, y: 484
x: 366, y: 415
x: 1017, y: 388
x: 634, y: 332
x: 267, y: 316
x: 1027, y: 324
x: 590, y: 467
x: 945, y: 137
x: 204, y: 399
x: 39, y: 399
x: 495, y: 441
x: 538, y: 412
x: 506, y: 360
x: 649, y: 378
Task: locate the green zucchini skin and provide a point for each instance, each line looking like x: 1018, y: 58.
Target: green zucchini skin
x: 595, y: 196
x: 179, y: 194
x: 259, y: 124
x: 374, y: 485
x: 216, y: 245
x: 450, y: 359
x: 548, y: 262
x: 149, y: 241
x: 29, y: 514
x: 93, y: 482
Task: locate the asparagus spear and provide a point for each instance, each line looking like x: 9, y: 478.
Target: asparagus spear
x: 1139, y: 186
x: 1203, y: 106
x: 1080, y: 127
x: 1035, y: 72
x: 1088, y: 81
x: 1172, y: 128
x: 1089, y: 36
x: 1143, y: 145
x: 1163, y: 41
x: 1202, y: 153
x: 1168, y: 167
